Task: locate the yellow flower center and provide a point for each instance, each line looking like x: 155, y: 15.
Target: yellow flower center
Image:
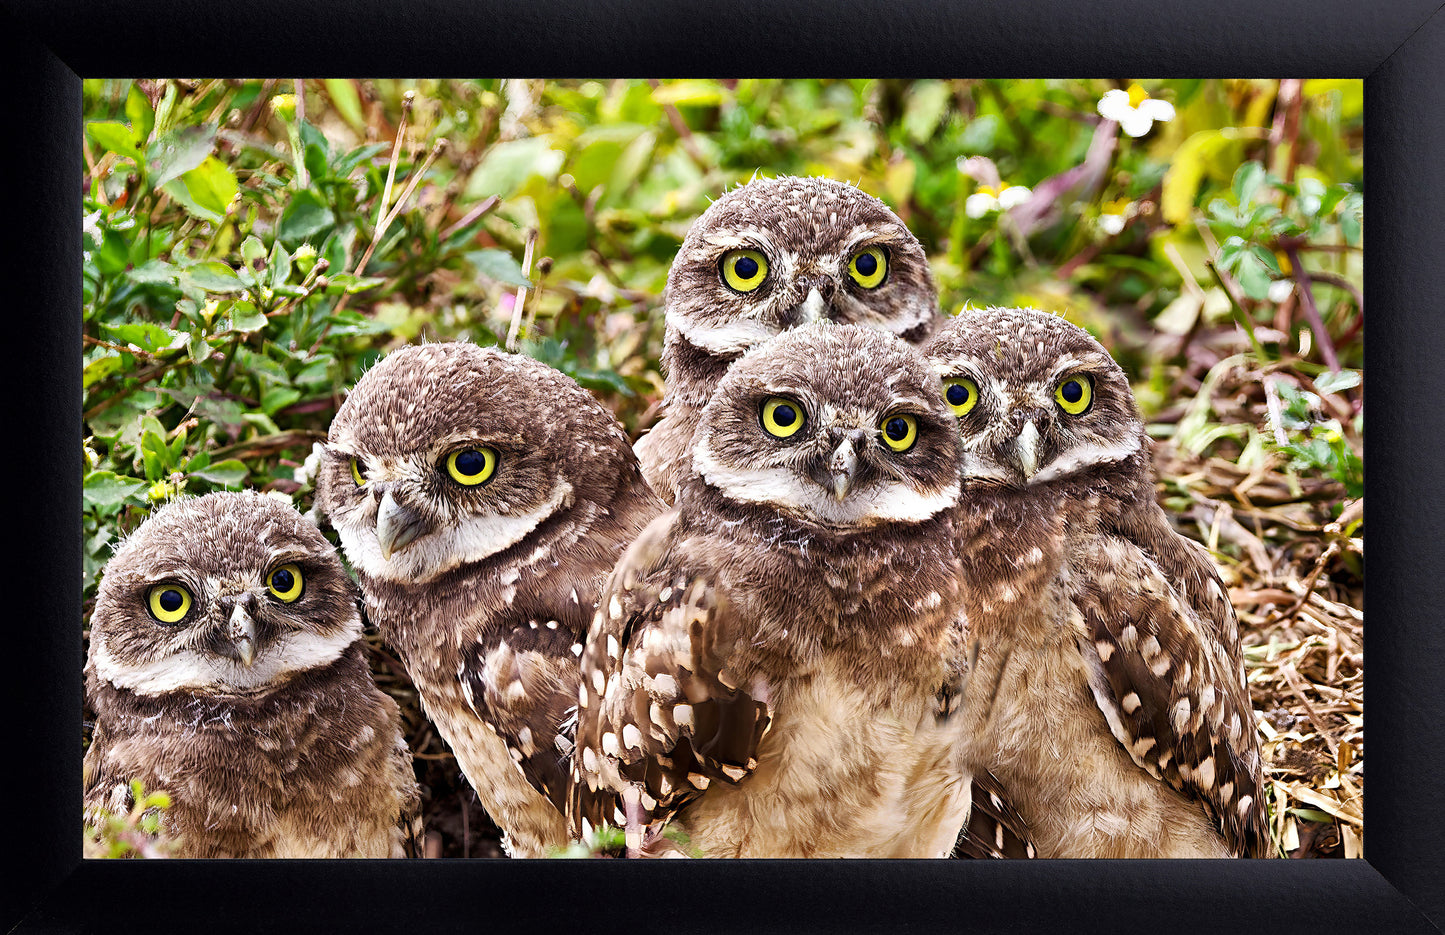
x: 1137, y: 95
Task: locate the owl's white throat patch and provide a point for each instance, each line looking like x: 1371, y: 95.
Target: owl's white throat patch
x: 730, y: 339
x: 780, y: 488
x: 448, y: 547
x: 206, y: 673
x: 1085, y: 456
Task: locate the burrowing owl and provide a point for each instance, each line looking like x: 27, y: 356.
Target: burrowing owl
x: 767, y: 661
x: 1118, y: 720
x: 482, y: 497
x: 771, y: 255
x: 226, y: 668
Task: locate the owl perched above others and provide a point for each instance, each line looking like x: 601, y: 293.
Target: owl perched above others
x: 769, y: 667
x: 482, y: 497
x: 1117, y: 719
x: 226, y: 667
x: 765, y: 257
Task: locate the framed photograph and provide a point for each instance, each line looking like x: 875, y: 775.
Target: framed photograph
x: 1093, y: 221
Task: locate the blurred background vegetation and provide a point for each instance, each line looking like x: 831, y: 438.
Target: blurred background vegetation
x: 252, y: 246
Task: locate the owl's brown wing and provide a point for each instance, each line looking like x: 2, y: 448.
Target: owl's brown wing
x: 660, y: 715
x: 1168, y: 689
x: 995, y: 829
x: 524, y: 687
x: 1187, y: 564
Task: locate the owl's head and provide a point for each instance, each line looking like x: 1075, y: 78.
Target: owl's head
x: 446, y: 454
x: 778, y: 253
x: 230, y: 593
x: 1036, y: 398
x: 838, y: 427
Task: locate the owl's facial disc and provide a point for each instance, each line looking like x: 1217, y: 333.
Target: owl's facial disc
x: 420, y: 514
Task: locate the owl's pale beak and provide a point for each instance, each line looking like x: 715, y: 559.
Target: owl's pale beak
x: 1027, y: 449
x: 813, y: 308
x: 242, y: 632
x: 843, y: 468
x: 397, y: 525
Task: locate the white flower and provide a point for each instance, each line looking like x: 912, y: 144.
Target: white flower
x: 1135, y: 110
x: 90, y: 225
x: 989, y: 199
x: 1280, y: 289
x: 1115, y: 215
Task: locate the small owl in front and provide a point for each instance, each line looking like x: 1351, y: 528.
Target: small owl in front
x: 482, y: 498
x: 768, y: 669
x: 768, y: 256
x: 1111, y: 703
x: 226, y: 667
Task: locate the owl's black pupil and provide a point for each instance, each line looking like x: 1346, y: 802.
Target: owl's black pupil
x: 897, y: 429
x: 747, y: 267
x: 785, y: 416
x: 957, y: 395
x: 471, y: 463
x: 171, y: 600
x: 867, y: 264
x: 282, y: 580
x: 1073, y: 391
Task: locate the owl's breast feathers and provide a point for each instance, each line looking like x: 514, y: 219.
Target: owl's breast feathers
x: 314, y: 768
x: 702, y: 647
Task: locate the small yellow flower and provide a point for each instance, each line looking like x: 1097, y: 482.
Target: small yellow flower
x: 1134, y: 109
x: 284, y: 105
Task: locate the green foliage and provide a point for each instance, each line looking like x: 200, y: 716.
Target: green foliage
x: 135, y: 833
x: 250, y: 250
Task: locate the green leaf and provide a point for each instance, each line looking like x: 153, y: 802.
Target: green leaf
x: 246, y: 318
x: 305, y: 217
x: 154, y: 272
x: 178, y: 152
x: 213, y: 276
x: 1253, y: 275
x: 280, y: 265
x: 278, y: 397
x: 116, y: 137
x: 138, y: 110
x: 691, y: 93
x: 229, y: 473
x: 498, y: 265
x: 1334, y: 382
x: 105, y: 488
x: 177, y: 190
x: 147, y: 337
x: 347, y: 102
x: 1247, y: 180
x: 927, y: 104
x: 100, y: 368
x: 507, y: 166
x: 345, y: 282
x: 211, y: 185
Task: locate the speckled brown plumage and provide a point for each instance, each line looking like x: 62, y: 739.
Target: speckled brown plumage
x: 486, y: 590
x: 808, y: 229
x: 258, y: 716
x: 1117, y: 719
x: 766, y: 665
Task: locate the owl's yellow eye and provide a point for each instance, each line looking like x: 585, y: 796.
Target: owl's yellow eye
x: 744, y: 270
x: 285, y: 582
x: 782, y: 417
x: 356, y: 474
x: 900, y: 432
x: 169, y: 603
x: 869, y: 267
x: 1075, y: 394
x: 961, y: 394
x: 471, y: 466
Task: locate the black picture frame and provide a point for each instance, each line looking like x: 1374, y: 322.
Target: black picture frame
x: 1398, y: 47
